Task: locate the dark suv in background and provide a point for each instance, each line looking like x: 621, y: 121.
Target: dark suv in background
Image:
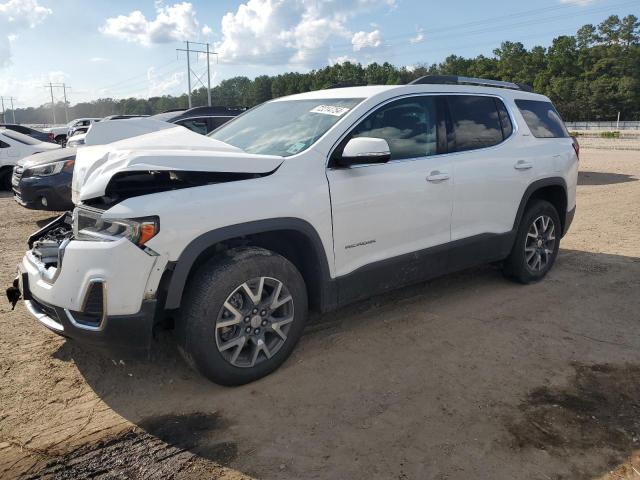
x: 200, y: 119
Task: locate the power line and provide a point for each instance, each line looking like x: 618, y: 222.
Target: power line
x: 498, y: 26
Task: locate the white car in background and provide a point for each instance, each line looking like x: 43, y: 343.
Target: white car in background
x: 101, y: 133
x: 15, y: 146
x: 60, y: 134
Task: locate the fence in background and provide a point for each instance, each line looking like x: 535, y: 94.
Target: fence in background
x: 626, y: 125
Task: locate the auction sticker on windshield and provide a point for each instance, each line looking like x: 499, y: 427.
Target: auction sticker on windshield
x: 330, y: 110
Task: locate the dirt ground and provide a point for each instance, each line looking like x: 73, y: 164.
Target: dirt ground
x: 466, y: 377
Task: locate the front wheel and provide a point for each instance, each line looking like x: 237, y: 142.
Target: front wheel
x: 536, y: 245
x: 5, y: 178
x: 242, y: 315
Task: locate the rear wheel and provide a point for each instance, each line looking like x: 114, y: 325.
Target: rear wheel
x: 242, y: 315
x: 537, y: 243
x: 61, y: 140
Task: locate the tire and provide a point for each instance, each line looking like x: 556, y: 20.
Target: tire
x: 206, y: 327
x: 61, y: 140
x: 522, y: 264
x: 5, y: 179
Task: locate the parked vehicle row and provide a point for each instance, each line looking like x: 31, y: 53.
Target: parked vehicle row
x: 310, y: 201
x: 51, y: 190
x: 15, y: 146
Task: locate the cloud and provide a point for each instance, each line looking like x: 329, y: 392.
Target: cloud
x: 419, y: 38
x: 289, y: 31
x: 342, y: 59
x: 16, y: 15
x: 161, y: 86
x: 98, y: 59
x: 582, y: 3
x: 363, y: 40
x: 172, y: 23
x: 30, y: 90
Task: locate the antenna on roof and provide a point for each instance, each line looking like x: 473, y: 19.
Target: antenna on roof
x: 457, y: 80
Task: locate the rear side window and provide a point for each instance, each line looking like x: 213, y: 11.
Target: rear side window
x: 542, y: 118
x: 476, y: 122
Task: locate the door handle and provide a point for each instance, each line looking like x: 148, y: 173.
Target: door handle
x: 437, y: 176
x: 522, y: 165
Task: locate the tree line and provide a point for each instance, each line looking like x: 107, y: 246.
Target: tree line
x: 591, y: 75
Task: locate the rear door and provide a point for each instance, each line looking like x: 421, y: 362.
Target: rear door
x: 491, y: 170
x: 382, y: 211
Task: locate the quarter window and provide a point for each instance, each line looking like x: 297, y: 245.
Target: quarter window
x: 542, y: 119
x: 408, y: 126
x: 476, y: 122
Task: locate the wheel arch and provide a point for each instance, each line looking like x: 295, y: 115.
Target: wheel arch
x: 293, y: 238
x: 553, y: 190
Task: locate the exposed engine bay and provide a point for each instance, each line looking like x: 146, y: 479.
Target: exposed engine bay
x: 47, y: 244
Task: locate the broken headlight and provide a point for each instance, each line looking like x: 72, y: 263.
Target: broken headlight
x: 88, y: 224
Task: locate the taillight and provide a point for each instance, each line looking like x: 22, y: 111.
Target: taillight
x: 576, y: 147
x: 51, y: 137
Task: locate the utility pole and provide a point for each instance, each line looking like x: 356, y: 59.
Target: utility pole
x: 206, y: 52
x: 64, y: 88
x: 208, y: 79
x: 13, y: 110
x: 4, y: 112
x: 189, y: 72
x: 66, y: 111
x: 53, y: 105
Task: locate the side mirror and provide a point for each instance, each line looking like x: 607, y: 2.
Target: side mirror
x: 363, y: 150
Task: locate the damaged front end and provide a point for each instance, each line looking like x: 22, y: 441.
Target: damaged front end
x: 128, y: 184
x: 46, y: 247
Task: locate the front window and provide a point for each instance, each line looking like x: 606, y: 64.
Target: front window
x: 286, y: 127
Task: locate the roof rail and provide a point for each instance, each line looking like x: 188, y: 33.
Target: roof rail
x: 457, y: 80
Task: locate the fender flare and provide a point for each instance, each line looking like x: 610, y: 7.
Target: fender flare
x: 185, y: 263
x: 537, y: 185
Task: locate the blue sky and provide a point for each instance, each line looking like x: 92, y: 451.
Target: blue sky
x: 124, y: 48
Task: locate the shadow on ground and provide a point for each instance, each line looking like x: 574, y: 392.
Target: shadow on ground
x: 603, y: 178
x: 447, y: 378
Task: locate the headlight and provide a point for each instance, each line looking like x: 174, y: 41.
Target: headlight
x: 74, y: 142
x: 88, y: 224
x: 49, y: 169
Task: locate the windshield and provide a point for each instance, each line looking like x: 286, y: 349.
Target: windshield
x: 285, y: 127
x: 19, y: 137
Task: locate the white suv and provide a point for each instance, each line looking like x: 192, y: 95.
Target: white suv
x: 308, y: 201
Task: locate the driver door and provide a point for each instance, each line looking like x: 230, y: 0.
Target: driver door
x: 384, y: 211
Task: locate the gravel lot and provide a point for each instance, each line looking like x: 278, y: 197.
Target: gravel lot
x: 466, y: 377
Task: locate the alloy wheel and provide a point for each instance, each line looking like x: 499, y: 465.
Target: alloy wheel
x: 254, y: 322
x: 540, y: 243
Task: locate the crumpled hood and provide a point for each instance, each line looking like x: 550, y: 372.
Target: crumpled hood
x: 176, y: 149
x: 47, y: 157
